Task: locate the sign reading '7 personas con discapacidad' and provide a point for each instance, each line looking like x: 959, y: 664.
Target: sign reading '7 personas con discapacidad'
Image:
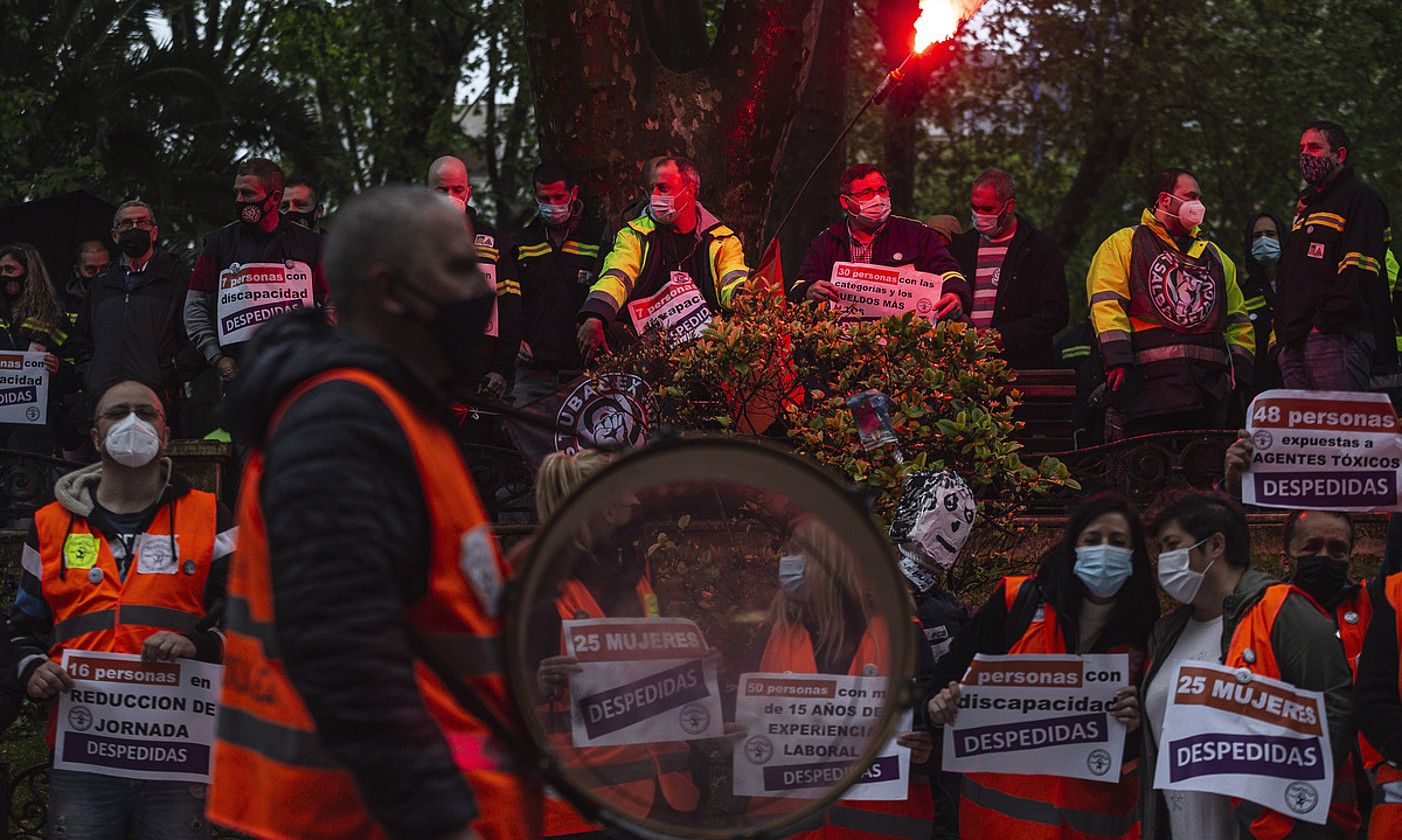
x: 1235, y: 733
x: 641, y: 681
x: 24, y: 388
x: 1042, y: 714
x: 1323, y: 450
x: 138, y: 720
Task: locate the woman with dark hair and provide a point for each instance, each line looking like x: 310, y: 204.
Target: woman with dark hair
x: 1092, y: 593
x: 32, y: 319
x: 1265, y: 237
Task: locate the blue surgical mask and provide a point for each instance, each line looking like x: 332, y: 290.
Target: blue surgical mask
x: 554, y: 214
x: 1103, y: 568
x: 1266, y: 249
x: 791, y: 568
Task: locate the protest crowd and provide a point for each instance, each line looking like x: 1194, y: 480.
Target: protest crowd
x: 359, y: 553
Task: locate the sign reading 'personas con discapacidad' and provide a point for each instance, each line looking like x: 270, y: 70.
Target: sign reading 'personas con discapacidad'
x: 138, y: 720
x: 251, y: 293
x: 641, y: 681
x: 24, y: 388
x: 1236, y: 733
x: 1039, y: 714
x: 678, y: 309
x: 1323, y: 450
x: 805, y: 732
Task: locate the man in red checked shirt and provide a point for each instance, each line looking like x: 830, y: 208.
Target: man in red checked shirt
x: 251, y: 270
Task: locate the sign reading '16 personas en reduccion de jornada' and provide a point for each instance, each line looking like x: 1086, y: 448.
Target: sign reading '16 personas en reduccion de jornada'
x: 1323, y: 450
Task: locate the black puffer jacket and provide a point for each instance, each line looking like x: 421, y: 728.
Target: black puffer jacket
x: 348, y: 529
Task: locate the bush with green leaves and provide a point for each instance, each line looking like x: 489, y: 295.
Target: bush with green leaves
x: 953, y: 396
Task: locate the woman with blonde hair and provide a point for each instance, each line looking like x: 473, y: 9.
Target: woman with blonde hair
x: 611, y: 581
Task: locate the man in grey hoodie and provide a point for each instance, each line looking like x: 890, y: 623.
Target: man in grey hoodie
x: 128, y: 559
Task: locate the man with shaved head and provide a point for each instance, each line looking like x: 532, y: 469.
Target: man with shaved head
x: 448, y: 176
x: 128, y: 559
x: 368, y: 577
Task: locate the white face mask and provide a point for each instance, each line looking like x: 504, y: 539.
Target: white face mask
x: 989, y: 225
x: 458, y: 201
x: 665, y: 207
x: 132, y: 442
x: 1103, y: 568
x: 875, y: 209
x: 1177, y: 579
x: 791, y: 568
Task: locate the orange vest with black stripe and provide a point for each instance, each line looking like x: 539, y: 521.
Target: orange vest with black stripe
x: 271, y: 777
x: 1047, y: 807
x: 790, y: 648
x: 634, y: 773
x: 1385, y: 822
x: 1251, y: 648
x: 94, y: 609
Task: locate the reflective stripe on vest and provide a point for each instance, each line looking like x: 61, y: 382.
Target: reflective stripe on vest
x: 271, y: 776
x: 139, y: 614
x: 91, y: 622
x: 880, y: 823
x: 1180, y: 351
x: 1044, y: 813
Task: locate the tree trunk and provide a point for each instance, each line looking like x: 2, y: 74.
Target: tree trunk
x: 605, y: 102
x: 822, y: 113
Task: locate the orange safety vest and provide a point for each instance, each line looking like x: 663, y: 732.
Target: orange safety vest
x: 790, y: 648
x: 1353, y: 617
x: 1047, y: 807
x: 1385, y: 823
x: 1251, y: 648
x: 271, y: 777
x: 94, y: 609
x: 634, y: 772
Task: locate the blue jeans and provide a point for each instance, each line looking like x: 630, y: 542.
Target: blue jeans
x: 1326, y: 362
x: 86, y: 806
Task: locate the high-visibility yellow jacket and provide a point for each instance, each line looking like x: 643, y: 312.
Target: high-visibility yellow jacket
x: 636, y: 268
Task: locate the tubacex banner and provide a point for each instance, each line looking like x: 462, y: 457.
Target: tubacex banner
x: 1239, y: 734
x: 1039, y: 714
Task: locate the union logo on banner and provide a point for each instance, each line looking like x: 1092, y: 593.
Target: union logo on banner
x: 609, y: 411
x: 1182, y: 290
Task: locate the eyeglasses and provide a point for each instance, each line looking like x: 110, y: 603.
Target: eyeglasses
x: 149, y: 413
x: 866, y: 195
x: 128, y: 224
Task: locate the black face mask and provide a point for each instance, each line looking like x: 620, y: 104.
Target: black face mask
x: 14, y: 286
x: 1321, y: 577
x: 457, y: 328
x: 134, y: 242
x: 305, y: 218
x: 252, y: 212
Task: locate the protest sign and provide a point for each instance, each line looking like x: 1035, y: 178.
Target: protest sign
x: 1239, y: 734
x: 24, y: 388
x: 642, y: 680
x: 251, y: 293
x: 878, y: 291
x: 137, y: 720
x: 1323, y: 450
x: 803, y: 732
x: 678, y: 309
x: 1039, y: 714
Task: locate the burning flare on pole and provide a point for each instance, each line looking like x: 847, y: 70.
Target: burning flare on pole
x: 938, y: 21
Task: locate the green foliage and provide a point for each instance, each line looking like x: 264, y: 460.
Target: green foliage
x: 953, y: 397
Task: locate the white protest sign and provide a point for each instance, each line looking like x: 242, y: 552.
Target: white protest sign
x: 1323, y: 450
x: 804, y: 732
x: 24, y: 388
x: 878, y: 291
x: 489, y: 270
x: 137, y: 720
x: 1239, y: 734
x: 678, y: 309
x: 1039, y: 714
x: 642, y: 681
x: 251, y: 293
